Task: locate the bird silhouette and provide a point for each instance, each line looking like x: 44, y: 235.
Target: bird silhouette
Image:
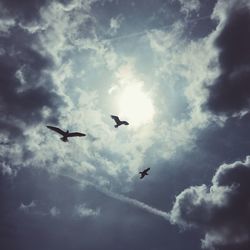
x: 144, y: 172
x: 118, y: 121
x: 65, y: 134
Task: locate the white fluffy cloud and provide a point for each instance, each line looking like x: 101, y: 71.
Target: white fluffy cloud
x: 83, y: 211
x: 182, y: 66
x: 188, y: 6
x: 221, y: 209
x: 115, y: 24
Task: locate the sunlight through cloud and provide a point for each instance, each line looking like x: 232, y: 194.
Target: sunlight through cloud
x: 135, y: 105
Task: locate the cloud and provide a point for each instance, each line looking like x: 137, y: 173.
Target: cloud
x: 220, y: 210
x: 180, y: 71
x: 7, y: 170
x: 189, y: 6
x: 28, y: 207
x: 27, y: 88
x: 37, y: 209
x: 63, y: 39
x: 26, y: 11
x: 54, y: 211
x: 135, y: 203
x: 115, y: 24
x: 28, y: 95
x: 229, y: 94
x: 66, y: 61
x: 83, y: 211
x: 65, y: 42
x: 5, y: 25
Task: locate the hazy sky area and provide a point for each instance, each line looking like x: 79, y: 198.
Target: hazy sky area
x: 178, y: 71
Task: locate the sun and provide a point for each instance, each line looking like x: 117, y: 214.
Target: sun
x: 135, y: 105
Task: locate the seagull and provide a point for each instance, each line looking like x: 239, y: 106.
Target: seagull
x: 144, y: 172
x: 65, y: 134
x: 118, y: 121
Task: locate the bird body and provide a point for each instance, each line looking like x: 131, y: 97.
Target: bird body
x: 65, y: 134
x: 118, y: 121
x: 144, y: 172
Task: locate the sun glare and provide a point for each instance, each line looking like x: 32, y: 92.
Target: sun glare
x: 136, y: 106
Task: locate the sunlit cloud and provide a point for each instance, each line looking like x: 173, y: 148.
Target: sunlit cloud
x: 83, y: 211
x: 135, y: 105
x: 54, y: 211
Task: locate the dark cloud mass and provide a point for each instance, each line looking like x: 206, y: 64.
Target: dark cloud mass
x: 230, y: 92
x: 26, y: 11
x: 23, y: 10
x: 26, y: 85
x: 28, y: 96
x: 221, y: 210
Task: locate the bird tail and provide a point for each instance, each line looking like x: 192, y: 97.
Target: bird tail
x: 116, y: 126
x: 64, y: 139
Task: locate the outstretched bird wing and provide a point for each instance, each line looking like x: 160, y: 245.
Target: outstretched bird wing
x: 58, y: 130
x: 116, y: 118
x: 76, y: 134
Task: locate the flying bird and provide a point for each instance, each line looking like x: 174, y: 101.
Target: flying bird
x: 118, y: 121
x: 144, y: 172
x: 65, y: 134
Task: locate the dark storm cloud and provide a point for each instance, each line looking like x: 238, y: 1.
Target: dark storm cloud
x: 25, y: 81
x: 221, y: 210
x: 27, y: 10
x: 28, y: 96
x: 230, y: 92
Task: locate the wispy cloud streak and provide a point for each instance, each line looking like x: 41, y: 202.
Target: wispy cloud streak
x: 145, y: 32
x: 135, y: 202
x: 121, y: 197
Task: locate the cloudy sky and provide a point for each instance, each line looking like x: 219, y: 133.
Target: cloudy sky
x: 178, y: 71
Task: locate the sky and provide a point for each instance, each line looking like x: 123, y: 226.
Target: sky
x: 178, y: 71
